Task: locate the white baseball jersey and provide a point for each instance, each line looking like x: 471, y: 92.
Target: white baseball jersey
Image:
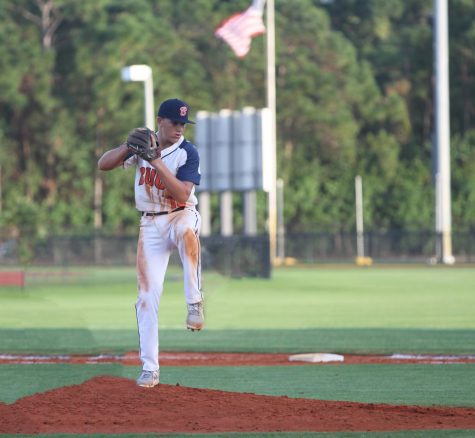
x: 182, y: 159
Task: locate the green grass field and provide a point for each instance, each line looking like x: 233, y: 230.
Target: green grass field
x: 417, y: 309
x: 295, y: 298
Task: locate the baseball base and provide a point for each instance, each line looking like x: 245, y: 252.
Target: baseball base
x: 316, y: 357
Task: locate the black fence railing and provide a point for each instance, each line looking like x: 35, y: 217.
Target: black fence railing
x: 235, y: 256
x: 238, y: 256
x: 389, y: 246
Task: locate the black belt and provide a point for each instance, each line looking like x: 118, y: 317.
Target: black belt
x: 159, y: 213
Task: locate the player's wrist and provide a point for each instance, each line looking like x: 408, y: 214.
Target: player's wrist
x: 157, y: 163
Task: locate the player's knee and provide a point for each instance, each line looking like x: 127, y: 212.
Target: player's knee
x: 191, y: 242
x: 146, y: 301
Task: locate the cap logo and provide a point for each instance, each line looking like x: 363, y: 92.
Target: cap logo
x: 183, y: 111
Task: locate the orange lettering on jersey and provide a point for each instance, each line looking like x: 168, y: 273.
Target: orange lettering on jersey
x: 158, y: 183
x: 142, y: 179
x: 150, y: 176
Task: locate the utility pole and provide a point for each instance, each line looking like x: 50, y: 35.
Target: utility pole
x: 271, y: 104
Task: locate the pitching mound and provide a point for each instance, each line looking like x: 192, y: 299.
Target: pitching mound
x: 116, y: 405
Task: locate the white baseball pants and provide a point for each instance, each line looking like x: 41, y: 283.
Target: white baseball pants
x: 158, y: 236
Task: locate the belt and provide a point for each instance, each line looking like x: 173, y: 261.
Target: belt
x: 159, y: 213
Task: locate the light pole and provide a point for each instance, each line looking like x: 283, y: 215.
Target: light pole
x: 443, y: 217
x: 142, y: 73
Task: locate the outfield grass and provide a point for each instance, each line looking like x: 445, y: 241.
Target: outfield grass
x: 295, y: 298
x: 348, y: 310
x: 345, y: 341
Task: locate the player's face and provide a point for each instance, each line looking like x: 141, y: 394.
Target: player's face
x: 169, y: 131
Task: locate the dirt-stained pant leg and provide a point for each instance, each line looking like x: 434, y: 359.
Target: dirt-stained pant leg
x: 185, y: 234
x: 153, y: 253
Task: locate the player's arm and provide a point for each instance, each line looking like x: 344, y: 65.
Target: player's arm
x: 179, y: 190
x: 114, y: 157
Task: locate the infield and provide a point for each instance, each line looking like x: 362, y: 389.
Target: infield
x: 348, y: 311
x: 75, y: 409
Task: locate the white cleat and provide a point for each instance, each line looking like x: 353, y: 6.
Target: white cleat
x: 148, y: 379
x: 195, y: 319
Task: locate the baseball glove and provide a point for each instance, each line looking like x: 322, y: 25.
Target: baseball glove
x: 143, y: 142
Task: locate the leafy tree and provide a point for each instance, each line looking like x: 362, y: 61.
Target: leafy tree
x: 463, y: 181
x: 462, y: 65
x: 354, y: 96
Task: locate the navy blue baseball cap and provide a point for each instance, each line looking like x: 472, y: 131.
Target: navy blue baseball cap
x: 176, y: 110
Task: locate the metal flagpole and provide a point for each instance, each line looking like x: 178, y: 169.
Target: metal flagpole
x: 271, y: 104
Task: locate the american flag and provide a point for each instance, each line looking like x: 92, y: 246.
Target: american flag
x: 239, y: 29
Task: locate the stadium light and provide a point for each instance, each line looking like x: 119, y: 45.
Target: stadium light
x: 142, y: 73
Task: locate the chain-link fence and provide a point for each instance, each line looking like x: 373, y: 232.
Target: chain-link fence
x: 237, y: 256
x: 390, y: 246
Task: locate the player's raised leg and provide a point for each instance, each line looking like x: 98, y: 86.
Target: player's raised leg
x: 188, y: 244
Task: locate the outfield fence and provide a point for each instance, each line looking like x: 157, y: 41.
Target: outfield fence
x: 389, y: 246
x: 237, y: 256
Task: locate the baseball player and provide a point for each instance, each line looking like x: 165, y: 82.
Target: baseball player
x: 166, y: 172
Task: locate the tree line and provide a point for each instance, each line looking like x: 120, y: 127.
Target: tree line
x: 354, y: 97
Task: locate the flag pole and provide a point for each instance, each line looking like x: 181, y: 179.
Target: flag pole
x: 271, y: 104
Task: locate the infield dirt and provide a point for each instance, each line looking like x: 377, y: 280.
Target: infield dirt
x: 107, y: 404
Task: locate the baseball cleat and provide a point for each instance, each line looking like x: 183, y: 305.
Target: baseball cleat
x: 195, y: 319
x: 148, y: 379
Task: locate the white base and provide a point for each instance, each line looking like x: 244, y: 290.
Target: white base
x: 316, y: 357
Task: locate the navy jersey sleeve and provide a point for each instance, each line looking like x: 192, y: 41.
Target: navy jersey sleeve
x: 190, y: 171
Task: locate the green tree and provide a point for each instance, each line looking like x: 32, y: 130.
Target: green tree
x: 354, y: 96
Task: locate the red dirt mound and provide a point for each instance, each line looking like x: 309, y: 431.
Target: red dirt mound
x: 116, y: 405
